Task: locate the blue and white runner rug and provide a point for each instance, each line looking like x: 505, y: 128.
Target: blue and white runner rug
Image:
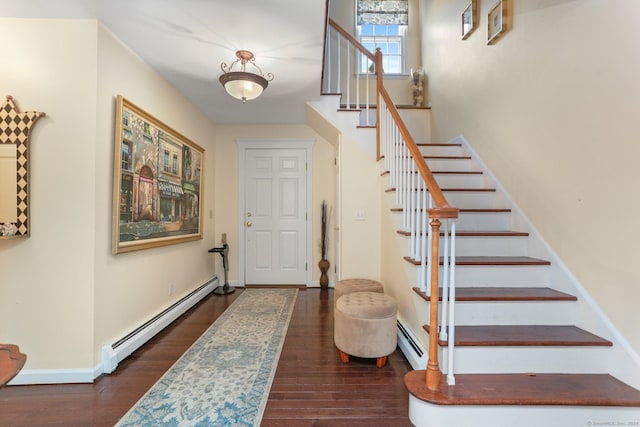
x: 224, y: 378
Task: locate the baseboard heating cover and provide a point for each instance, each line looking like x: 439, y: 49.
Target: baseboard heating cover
x: 411, y: 348
x: 112, y: 354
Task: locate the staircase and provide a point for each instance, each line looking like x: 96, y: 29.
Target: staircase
x: 530, y: 348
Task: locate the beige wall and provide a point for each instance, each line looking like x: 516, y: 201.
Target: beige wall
x: 46, y: 285
x: 132, y: 287
x: 226, y: 177
x: 62, y: 294
x: 360, y: 211
x: 551, y: 108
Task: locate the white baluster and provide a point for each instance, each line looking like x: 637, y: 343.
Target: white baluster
x: 451, y: 380
x: 445, y: 283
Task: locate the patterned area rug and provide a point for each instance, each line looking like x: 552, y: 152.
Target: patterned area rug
x: 224, y: 378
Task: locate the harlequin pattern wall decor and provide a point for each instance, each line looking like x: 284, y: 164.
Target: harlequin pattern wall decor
x: 15, y: 130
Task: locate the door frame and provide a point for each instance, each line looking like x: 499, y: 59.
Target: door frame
x: 246, y: 144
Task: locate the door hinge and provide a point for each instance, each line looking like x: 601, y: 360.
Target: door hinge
x: 305, y: 216
x: 306, y: 266
x: 306, y: 166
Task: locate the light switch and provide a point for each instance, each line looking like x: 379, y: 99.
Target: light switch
x: 360, y: 215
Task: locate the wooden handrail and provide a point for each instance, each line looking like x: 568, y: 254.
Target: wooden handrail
x: 353, y: 41
x: 442, y: 209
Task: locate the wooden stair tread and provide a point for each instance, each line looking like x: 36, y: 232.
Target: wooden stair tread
x: 477, y: 190
x: 473, y: 233
x: 524, y: 335
x: 526, y: 389
x: 478, y: 293
x: 491, y: 260
x: 491, y: 210
x: 386, y: 172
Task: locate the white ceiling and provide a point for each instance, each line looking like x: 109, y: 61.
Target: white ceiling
x: 187, y: 40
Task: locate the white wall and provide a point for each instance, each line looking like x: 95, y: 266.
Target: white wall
x: 551, y: 108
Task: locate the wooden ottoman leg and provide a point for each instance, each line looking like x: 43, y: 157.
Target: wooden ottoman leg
x: 381, y: 361
x: 344, y: 357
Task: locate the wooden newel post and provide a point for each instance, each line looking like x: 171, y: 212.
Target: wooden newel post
x: 433, y: 369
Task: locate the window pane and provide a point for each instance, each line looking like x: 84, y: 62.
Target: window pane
x: 390, y: 40
x: 366, y: 29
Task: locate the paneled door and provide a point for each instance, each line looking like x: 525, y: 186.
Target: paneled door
x: 275, y: 217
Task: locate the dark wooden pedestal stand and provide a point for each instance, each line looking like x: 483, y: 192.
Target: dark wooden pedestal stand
x: 224, y: 289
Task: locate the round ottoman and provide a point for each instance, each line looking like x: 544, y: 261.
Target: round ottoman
x: 365, y: 326
x: 347, y: 286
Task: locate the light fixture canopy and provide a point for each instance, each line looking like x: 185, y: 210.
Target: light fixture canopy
x: 242, y: 84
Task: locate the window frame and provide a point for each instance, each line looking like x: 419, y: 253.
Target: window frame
x: 403, y: 41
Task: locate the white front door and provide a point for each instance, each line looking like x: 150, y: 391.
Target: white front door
x: 275, y: 216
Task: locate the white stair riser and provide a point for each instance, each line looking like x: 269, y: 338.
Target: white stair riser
x: 423, y: 414
x: 510, y: 360
x: 460, y: 180
x: 487, y: 246
x: 491, y: 246
x: 514, y: 313
x: 451, y: 165
x: 522, y: 276
x: 442, y: 150
x: 484, y: 221
x: 479, y: 221
x: 473, y: 199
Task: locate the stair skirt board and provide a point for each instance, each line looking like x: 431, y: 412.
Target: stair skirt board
x: 113, y: 354
x: 424, y: 414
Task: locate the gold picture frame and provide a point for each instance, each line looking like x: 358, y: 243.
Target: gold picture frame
x: 158, y: 178
x: 469, y: 19
x: 497, y: 22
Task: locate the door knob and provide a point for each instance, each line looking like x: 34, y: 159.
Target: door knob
x: 249, y: 224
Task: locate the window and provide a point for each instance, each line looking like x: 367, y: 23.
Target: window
x: 391, y: 39
x: 175, y: 164
x: 383, y: 24
x: 165, y: 162
x: 126, y: 155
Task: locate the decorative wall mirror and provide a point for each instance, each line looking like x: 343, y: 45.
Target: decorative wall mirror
x: 15, y: 130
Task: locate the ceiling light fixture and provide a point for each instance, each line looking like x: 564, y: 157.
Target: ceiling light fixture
x: 243, y: 84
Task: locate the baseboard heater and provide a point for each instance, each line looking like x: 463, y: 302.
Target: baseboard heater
x: 410, y: 347
x: 112, y: 354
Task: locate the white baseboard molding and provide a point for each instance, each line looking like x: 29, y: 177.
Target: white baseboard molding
x: 112, y: 354
x: 53, y: 376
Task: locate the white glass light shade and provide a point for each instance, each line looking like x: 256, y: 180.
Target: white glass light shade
x: 243, y: 85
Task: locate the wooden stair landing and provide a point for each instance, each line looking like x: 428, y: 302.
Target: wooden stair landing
x: 480, y: 293
x: 524, y: 335
x: 526, y: 389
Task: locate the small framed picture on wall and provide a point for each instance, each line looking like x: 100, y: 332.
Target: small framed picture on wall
x: 497, y: 22
x: 469, y: 19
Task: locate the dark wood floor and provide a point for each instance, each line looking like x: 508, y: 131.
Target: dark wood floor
x: 312, y: 387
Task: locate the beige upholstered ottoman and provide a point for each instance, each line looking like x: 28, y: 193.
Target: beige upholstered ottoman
x: 365, y: 326
x: 347, y: 286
